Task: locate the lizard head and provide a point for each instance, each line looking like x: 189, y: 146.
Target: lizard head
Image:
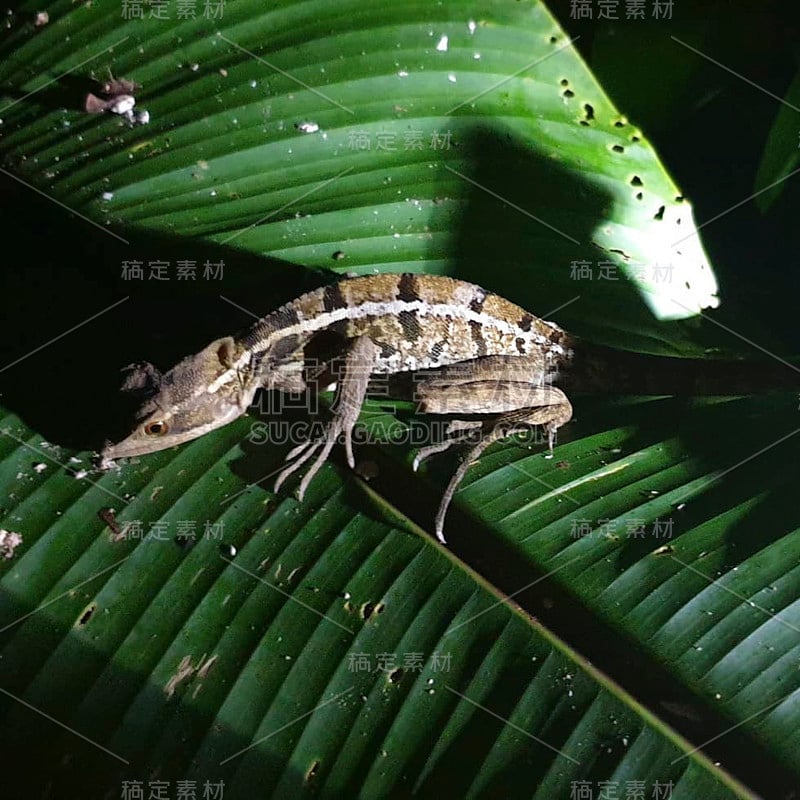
x: 199, y: 394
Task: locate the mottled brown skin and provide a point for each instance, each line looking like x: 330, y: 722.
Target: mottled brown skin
x: 419, y: 321
x: 478, y: 354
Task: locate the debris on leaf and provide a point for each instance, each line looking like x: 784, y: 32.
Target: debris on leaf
x: 117, y: 96
x: 186, y: 671
x: 108, y: 515
x: 122, y: 104
x: 9, y: 542
x: 114, y: 87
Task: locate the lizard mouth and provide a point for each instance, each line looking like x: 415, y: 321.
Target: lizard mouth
x: 111, y: 451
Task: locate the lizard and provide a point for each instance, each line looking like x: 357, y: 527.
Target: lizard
x: 485, y: 362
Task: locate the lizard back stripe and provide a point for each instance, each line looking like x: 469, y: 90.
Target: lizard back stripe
x: 419, y: 321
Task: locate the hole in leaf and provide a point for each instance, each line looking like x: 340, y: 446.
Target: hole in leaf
x: 367, y: 610
x: 396, y: 675
x: 639, y: 195
x: 553, y: 39
x: 620, y: 123
x: 184, y: 540
x: 636, y: 181
x: 589, y: 111
x: 636, y: 138
x: 618, y: 148
x: 87, y: 615
x: 564, y: 82
x: 568, y: 93
x: 659, y: 215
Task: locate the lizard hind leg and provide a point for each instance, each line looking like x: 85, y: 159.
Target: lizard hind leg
x: 551, y: 417
x: 353, y: 380
x: 457, y: 432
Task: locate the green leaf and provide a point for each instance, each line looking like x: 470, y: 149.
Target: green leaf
x: 780, y: 157
x: 334, y: 652
x: 676, y: 533
x: 359, y: 137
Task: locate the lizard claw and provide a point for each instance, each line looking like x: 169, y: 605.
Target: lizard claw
x: 457, y: 432
x: 430, y: 450
x: 323, y: 445
x: 514, y: 422
x: 346, y: 407
x: 297, y: 457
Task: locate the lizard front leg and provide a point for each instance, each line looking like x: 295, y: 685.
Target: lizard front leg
x: 488, y: 386
x: 351, y: 390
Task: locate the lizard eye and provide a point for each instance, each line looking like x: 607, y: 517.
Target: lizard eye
x: 156, y: 428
